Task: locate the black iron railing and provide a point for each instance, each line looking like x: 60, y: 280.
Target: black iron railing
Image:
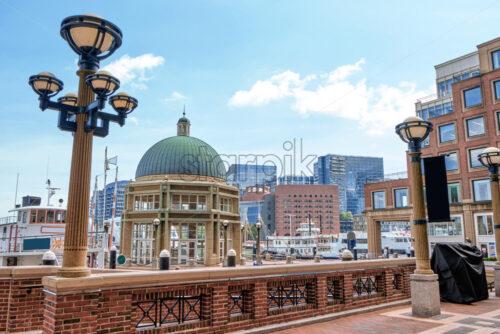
x: 365, y: 286
x: 281, y: 296
x: 236, y: 302
x: 335, y: 290
x: 169, y: 310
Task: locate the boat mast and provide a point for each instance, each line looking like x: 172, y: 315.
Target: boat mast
x: 113, y: 209
x: 17, y: 185
x: 106, y: 167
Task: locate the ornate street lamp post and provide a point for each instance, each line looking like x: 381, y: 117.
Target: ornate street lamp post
x: 93, y: 39
x: 424, y: 284
x: 225, y: 223
x: 258, y: 259
x: 156, y: 224
x: 490, y: 158
x: 242, y: 232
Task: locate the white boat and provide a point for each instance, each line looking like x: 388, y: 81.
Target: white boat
x: 309, y: 242
x: 31, y: 230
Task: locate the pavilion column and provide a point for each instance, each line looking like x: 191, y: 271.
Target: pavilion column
x: 76, y: 231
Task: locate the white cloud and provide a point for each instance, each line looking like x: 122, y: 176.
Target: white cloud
x: 175, y: 96
x: 133, y: 119
x: 376, y: 109
x: 134, y: 70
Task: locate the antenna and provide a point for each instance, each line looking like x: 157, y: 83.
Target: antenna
x: 50, y: 191
x: 17, y: 185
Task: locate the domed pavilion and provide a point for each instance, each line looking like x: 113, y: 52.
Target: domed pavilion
x: 181, y: 181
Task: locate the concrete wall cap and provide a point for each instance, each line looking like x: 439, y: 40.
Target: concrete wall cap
x: 231, y: 252
x: 49, y: 255
x: 164, y: 253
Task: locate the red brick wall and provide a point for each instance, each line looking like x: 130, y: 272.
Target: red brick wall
x: 117, y: 310
x: 388, y: 187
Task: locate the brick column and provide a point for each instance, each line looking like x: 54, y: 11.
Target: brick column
x: 321, y: 292
x: 76, y: 313
x: 348, y: 290
x: 260, y: 299
x: 219, y: 306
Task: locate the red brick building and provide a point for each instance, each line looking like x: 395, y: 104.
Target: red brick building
x: 296, y: 202
x: 465, y: 115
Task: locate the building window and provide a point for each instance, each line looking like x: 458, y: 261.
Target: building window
x: 484, y: 224
x: 497, y: 90
x: 146, y: 202
x: 474, y: 161
x: 448, y: 87
x: 379, y: 200
x: 475, y: 126
x: 495, y: 57
x: 401, y: 198
x: 447, y: 133
x: 189, y: 202
x: 454, y: 193
x: 472, y: 97
x: 441, y: 89
x: 481, y: 190
x: 447, y: 108
x: 451, y: 161
x: 226, y: 204
x: 445, y: 229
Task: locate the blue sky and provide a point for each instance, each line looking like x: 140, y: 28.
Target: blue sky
x: 252, y: 74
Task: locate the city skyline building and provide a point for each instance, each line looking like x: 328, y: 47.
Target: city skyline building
x: 350, y: 174
x: 296, y: 179
x: 295, y: 204
x: 246, y: 175
x: 120, y: 200
x: 252, y: 202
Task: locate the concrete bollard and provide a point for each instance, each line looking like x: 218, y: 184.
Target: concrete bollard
x: 362, y: 256
x: 294, y: 256
x: 164, y: 260
x: 317, y: 258
x: 347, y: 255
x: 49, y: 258
x: 268, y: 257
x: 288, y: 259
x: 231, y: 258
x: 243, y: 261
x: 112, y: 257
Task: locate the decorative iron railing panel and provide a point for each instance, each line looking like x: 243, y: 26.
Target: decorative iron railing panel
x: 365, y: 286
x: 282, y: 296
x: 397, y: 282
x: 169, y: 310
x: 335, y: 290
x: 236, y: 302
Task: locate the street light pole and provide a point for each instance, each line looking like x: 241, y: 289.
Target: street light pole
x: 225, y: 223
x: 93, y: 39
x: 258, y: 259
x: 424, y: 284
x: 490, y: 158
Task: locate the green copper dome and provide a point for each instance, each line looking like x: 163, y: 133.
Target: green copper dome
x: 181, y: 155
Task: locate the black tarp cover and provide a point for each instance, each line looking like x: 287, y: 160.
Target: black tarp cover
x: 462, y: 278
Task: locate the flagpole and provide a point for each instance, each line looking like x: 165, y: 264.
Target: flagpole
x: 104, y: 190
x: 114, y: 207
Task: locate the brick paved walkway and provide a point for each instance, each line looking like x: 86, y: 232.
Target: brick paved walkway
x: 482, y: 317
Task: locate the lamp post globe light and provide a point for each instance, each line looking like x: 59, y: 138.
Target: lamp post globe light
x: 225, y: 224
x: 93, y: 39
x: 490, y: 158
x: 259, y: 226
x: 424, y: 283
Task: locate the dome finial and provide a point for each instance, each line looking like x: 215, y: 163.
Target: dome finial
x: 183, y: 124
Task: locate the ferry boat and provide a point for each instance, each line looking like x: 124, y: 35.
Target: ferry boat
x: 31, y: 229
x: 309, y: 242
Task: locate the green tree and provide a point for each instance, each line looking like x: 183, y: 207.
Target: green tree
x: 346, y: 215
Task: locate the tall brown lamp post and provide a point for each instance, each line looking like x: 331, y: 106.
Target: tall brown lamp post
x: 93, y: 39
x: 257, y: 258
x: 490, y: 158
x: 225, y: 224
x: 424, y: 283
